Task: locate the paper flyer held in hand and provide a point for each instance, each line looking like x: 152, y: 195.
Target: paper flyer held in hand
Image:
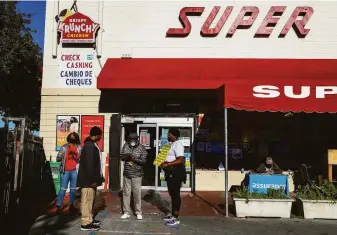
x: 162, y: 155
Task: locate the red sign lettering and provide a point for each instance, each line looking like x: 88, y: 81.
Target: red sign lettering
x: 77, y: 28
x: 70, y: 57
x: 268, y: 24
x: 265, y: 29
x: 185, y: 31
x: 241, y: 23
x: 208, y: 32
x: 298, y: 25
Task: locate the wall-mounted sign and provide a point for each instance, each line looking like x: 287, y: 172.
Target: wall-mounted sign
x: 64, y: 126
x: 76, y: 70
x: 88, y: 122
x: 77, y: 28
x: 252, y: 12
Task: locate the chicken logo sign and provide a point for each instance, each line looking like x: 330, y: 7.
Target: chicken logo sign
x: 77, y: 28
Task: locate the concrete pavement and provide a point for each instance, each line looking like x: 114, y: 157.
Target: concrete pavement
x: 190, y: 225
x: 201, y: 214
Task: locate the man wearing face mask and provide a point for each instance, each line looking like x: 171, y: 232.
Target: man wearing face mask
x: 134, y: 156
x: 269, y: 167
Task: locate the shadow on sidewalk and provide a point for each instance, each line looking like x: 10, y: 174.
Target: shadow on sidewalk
x: 216, y: 200
x: 55, y: 224
x: 157, y: 200
x: 58, y: 223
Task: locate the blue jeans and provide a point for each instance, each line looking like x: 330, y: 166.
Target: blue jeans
x: 68, y: 176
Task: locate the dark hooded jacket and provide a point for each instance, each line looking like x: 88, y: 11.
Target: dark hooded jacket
x: 263, y: 168
x: 89, y: 171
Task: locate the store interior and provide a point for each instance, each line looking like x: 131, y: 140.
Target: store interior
x: 291, y: 139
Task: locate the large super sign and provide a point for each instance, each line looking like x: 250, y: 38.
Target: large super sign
x: 244, y: 20
x: 77, y: 28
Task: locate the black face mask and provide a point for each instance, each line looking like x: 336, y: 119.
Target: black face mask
x: 72, y: 141
x: 170, y: 138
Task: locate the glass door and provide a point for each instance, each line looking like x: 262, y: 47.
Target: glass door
x: 148, y: 137
x: 186, y: 138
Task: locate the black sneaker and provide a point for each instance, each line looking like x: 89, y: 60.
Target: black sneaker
x: 96, y: 222
x: 89, y: 227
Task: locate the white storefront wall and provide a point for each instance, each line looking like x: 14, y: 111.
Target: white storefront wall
x: 137, y: 29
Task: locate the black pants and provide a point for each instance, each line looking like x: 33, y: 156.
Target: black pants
x: 174, y: 186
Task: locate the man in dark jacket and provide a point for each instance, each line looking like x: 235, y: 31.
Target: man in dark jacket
x: 89, y: 178
x: 269, y: 167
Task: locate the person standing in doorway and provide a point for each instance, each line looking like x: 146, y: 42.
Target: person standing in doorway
x: 134, y: 156
x: 69, y: 156
x: 175, y: 174
x: 89, y: 178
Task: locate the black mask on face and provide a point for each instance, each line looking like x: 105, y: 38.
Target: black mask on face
x: 72, y: 141
x: 170, y: 138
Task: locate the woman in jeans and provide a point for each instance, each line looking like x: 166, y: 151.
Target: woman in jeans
x: 175, y: 174
x: 69, y: 156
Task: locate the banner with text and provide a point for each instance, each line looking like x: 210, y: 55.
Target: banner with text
x: 87, y: 122
x: 76, y: 70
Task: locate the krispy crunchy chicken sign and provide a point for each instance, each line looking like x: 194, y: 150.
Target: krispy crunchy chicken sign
x: 77, y: 28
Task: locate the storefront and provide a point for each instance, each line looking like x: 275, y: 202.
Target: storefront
x: 148, y: 65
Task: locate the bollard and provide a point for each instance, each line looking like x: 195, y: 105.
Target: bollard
x: 106, y: 177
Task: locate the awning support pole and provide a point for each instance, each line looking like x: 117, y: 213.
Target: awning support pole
x: 226, y: 159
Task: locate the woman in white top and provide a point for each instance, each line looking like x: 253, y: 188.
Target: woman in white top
x: 175, y: 174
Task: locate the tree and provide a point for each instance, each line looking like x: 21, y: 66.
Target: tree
x: 20, y: 66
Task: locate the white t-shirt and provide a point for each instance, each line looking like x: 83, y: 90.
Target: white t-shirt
x: 177, y: 150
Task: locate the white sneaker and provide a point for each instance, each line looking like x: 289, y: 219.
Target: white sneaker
x: 125, y: 216
x: 139, y: 217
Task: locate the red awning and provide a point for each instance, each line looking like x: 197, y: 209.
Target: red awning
x: 239, y: 76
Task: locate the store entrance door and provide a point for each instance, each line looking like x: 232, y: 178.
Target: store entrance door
x: 152, y: 133
x: 148, y: 137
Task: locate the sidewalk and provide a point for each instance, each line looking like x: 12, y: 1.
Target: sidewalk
x: 155, y: 203
x: 198, y: 216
